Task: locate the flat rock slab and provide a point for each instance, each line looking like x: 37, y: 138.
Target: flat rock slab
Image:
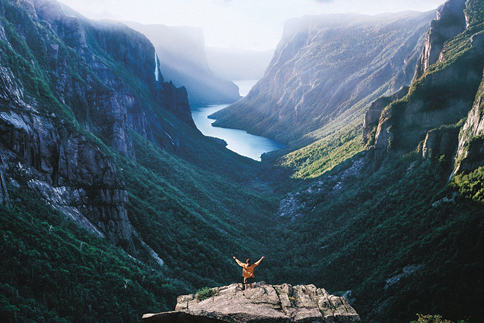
x: 264, y: 303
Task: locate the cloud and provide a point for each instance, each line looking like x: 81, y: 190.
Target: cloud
x: 324, y: 1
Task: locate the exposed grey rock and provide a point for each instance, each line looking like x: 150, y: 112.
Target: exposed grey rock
x: 67, y: 27
x: 4, y: 198
x: 439, y: 142
x: 29, y: 7
x: 264, y: 303
x: 314, y: 80
x: 112, y: 105
x: 470, y: 152
x: 59, y: 159
x: 3, y: 36
x: 439, y: 100
x: 450, y: 21
x: 406, y: 271
x: 68, y: 171
x: 10, y: 90
x: 324, y: 189
x: 373, y: 114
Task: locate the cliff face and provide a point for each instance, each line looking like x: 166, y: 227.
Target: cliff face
x: 264, y: 303
x: 65, y: 168
x: 105, y: 92
x: 329, y: 68
x: 470, y: 151
x: 443, y: 92
x: 63, y: 79
x: 450, y: 22
x: 372, y: 116
x: 181, y: 54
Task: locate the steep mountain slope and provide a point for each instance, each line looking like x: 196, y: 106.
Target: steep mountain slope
x: 387, y: 228
x: 326, y: 71
x: 445, y: 92
x: 181, y: 51
x: 95, y: 149
x: 395, y: 242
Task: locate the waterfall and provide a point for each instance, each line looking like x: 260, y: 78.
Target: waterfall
x: 157, y: 71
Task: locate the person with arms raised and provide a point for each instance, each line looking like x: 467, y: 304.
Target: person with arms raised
x: 248, y: 270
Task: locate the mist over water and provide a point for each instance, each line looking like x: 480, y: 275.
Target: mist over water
x: 238, y: 141
x: 245, y: 86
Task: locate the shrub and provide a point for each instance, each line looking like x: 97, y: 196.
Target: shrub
x: 204, y: 293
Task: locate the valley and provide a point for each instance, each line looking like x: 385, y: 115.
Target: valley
x: 114, y: 200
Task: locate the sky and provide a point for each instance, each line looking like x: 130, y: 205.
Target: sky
x: 243, y: 24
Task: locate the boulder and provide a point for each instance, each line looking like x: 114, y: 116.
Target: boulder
x: 263, y: 303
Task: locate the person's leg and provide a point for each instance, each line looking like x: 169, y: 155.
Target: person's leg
x: 249, y: 282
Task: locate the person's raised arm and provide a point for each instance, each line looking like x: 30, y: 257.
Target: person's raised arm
x: 258, y: 262
x: 240, y: 263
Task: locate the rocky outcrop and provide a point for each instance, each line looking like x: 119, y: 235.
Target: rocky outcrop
x: 65, y: 168
x: 68, y: 28
x: 264, y: 303
x: 440, y: 98
x: 372, y: 116
x: 450, y: 21
x: 440, y: 142
x: 470, y: 152
x: 4, y: 198
x: 314, y: 80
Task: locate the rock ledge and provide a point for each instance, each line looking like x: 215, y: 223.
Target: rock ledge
x: 264, y: 303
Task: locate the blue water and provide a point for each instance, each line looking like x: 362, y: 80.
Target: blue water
x: 238, y: 141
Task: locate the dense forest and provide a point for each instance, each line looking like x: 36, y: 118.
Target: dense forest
x: 112, y: 203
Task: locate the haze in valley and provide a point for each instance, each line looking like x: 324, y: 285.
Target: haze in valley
x: 245, y: 24
x: 236, y: 32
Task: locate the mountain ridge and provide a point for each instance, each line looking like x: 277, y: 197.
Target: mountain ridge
x: 314, y: 79
x: 403, y: 219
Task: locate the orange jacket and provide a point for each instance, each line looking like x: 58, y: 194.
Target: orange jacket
x: 248, y: 271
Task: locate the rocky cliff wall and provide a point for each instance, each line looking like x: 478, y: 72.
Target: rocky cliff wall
x: 182, y: 59
x: 372, y: 116
x: 470, y: 151
x: 442, y: 96
x: 450, y: 21
x: 66, y: 83
x: 65, y: 168
x: 106, y: 93
x: 326, y: 69
x: 264, y: 303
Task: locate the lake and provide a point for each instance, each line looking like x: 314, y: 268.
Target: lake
x: 238, y: 141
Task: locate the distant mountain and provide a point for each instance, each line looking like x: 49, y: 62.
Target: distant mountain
x: 238, y: 64
x: 397, y: 203
x: 111, y: 201
x: 181, y: 51
x: 327, y: 69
